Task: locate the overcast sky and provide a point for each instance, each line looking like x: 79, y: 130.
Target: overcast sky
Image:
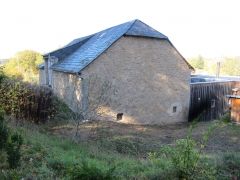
x: 207, y: 27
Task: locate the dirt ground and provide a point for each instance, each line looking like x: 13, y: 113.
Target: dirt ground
x: 141, y: 139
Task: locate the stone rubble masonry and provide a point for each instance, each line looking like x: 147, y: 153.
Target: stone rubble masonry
x: 150, y: 77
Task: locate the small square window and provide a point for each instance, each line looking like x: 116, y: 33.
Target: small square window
x: 174, y: 109
x: 119, y: 116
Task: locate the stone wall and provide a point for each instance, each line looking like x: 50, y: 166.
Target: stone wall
x: 151, y: 78
x: 68, y: 87
x: 42, y: 77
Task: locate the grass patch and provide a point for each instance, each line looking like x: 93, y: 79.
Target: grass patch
x: 47, y: 156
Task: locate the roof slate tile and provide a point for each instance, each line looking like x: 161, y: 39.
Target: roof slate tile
x: 79, y: 53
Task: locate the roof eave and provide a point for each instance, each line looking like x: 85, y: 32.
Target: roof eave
x: 166, y: 38
x: 64, y: 71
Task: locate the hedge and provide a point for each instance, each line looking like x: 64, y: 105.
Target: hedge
x: 26, y: 101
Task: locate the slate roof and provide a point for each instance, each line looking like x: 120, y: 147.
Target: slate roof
x: 79, y: 53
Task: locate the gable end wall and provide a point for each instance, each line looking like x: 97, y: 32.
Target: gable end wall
x: 151, y: 78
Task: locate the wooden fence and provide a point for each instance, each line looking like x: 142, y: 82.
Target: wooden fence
x: 208, y: 100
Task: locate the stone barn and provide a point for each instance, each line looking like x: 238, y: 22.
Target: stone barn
x: 129, y: 73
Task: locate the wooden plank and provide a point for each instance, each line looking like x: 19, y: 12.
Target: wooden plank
x: 208, y: 100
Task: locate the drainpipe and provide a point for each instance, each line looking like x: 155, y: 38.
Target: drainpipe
x: 51, y: 61
x: 46, y: 70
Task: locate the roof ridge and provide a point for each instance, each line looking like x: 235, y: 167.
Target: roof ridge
x: 79, y: 53
x: 133, y: 22
x: 132, y: 31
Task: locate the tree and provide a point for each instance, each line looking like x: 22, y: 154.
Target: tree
x: 231, y: 66
x: 197, y: 62
x: 98, y: 95
x: 24, y: 65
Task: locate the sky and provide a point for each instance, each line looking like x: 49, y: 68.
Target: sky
x: 210, y: 28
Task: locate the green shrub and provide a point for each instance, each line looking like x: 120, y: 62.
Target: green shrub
x: 125, y: 145
x: 226, y: 118
x: 187, y: 156
x: 4, y: 131
x: 13, y: 150
x: 184, y: 156
x: 2, y: 75
x: 230, y: 166
x: 26, y: 101
x: 11, y: 144
x: 87, y: 171
x: 12, y: 174
x: 57, y: 165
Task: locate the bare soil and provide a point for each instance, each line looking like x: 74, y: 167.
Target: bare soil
x: 141, y: 139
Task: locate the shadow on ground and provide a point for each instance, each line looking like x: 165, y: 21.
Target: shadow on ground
x: 141, y: 139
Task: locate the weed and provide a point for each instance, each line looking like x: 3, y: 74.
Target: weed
x: 57, y: 165
x: 226, y: 118
x: 10, y: 143
x: 184, y: 156
x: 229, y: 166
x: 88, y: 171
x: 46, y: 156
x: 13, y: 150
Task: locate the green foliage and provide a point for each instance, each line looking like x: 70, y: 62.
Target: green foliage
x: 231, y: 66
x: 123, y: 145
x: 197, y: 63
x: 13, y: 150
x: 184, y: 156
x: 10, y: 143
x: 4, y: 131
x: 57, y: 165
x: 61, y: 111
x: 25, y: 101
x: 11, y: 174
x: 228, y: 65
x: 2, y: 75
x: 229, y: 168
x: 24, y: 65
x: 46, y: 156
x: 88, y: 171
x: 226, y: 118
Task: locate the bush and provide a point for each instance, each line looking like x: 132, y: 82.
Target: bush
x: 11, y: 144
x: 229, y: 167
x: 57, y: 165
x: 25, y: 101
x: 86, y: 171
x: 226, y: 118
x: 187, y: 155
x: 184, y: 156
x: 2, y: 76
x: 123, y: 145
x: 4, y: 131
x: 13, y: 150
x: 186, y: 159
